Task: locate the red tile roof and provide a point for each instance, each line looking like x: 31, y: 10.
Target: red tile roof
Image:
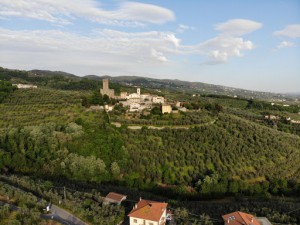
x: 240, y: 218
x: 148, y: 210
x: 115, y: 197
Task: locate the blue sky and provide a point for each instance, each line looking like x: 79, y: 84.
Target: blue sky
x: 249, y: 44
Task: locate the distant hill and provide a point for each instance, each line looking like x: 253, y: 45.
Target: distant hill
x: 46, y: 77
x: 193, y: 87
x: 45, y: 73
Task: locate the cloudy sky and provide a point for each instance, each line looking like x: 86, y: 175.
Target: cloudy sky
x: 251, y: 44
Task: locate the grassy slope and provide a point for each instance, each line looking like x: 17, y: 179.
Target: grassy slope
x: 35, y: 106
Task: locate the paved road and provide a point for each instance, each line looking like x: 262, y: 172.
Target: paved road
x: 58, y: 214
x: 57, y: 219
x: 63, y: 216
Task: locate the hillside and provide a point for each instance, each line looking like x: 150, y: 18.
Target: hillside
x: 235, y: 142
x: 231, y: 150
x: 221, y: 146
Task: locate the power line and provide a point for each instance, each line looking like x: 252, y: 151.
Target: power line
x: 280, y: 223
x: 293, y: 211
x: 214, y: 220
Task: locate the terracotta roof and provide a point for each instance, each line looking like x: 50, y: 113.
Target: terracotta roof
x: 240, y: 218
x: 148, y: 210
x: 114, y: 197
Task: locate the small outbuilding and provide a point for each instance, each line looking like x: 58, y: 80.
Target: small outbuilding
x: 114, y: 198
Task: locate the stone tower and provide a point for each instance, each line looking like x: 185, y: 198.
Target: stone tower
x: 106, y: 91
x: 138, y: 91
x: 105, y: 84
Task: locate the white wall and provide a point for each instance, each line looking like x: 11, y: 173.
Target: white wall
x: 158, y: 99
x: 141, y: 221
x: 163, y: 217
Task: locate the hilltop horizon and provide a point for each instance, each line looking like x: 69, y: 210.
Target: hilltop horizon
x: 116, y: 77
x: 295, y: 92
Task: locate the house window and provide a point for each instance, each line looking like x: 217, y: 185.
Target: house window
x: 135, y: 220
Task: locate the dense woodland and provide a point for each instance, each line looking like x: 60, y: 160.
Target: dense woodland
x: 225, y: 146
x: 6, y: 88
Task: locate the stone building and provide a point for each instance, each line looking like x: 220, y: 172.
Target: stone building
x: 166, y: 109
x: 158, y: 99
x: 106, y: 91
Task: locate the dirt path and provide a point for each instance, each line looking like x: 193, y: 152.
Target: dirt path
x: 186, y: 127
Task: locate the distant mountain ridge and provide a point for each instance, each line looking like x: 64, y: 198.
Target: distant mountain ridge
x: 192, y: 87
x: 174, y: 85
x: 52, y: 73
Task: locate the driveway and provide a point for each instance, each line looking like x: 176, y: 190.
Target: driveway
x: 62, y: 216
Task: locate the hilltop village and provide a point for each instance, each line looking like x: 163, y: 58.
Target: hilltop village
x: 136, y: 102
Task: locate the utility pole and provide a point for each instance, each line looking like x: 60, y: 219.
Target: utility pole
x: 65, y: 196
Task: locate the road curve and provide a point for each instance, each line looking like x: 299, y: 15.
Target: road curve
x: 60, y: 215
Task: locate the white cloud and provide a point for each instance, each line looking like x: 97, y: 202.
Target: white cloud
x: 158, y: 55
x: 172, y: 39
x: 237, y: 27
x: 220, y: 49
x: 229, y: 42
x: 182, y: 28
x: 285, y: 44
x: 145, y: 12
x: 111, y: 49
x: 65, y: 11
x: 102, y: 49
x: 292, y: 31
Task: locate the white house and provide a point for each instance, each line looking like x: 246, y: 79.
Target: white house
x: 178, y: 104
x: 147, y: 212
x: 133, y: 95
x: 108, y: 108
x: 158, y: 99
x: 146, y: 97
x: 123, y: 95
x: 134, y: 107
x: 166, y: 108
x: 25, y: 86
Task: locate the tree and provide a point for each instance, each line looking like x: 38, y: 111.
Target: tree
x: 182, y: 216
x: 115, y: 169
x: 6, y: 87
x: 156, y: 111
